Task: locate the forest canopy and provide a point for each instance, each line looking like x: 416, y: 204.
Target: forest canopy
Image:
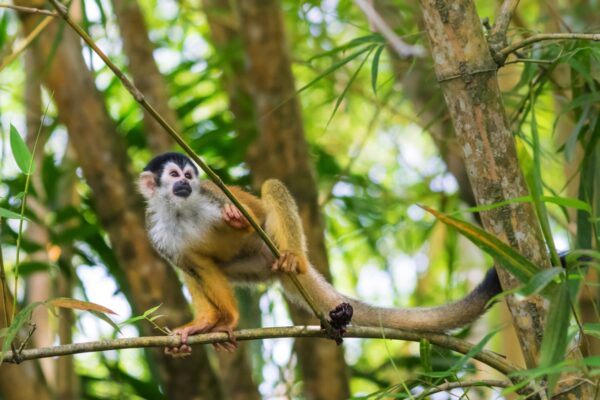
x: 423, y: 142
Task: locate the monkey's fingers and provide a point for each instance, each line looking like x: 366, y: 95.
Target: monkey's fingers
x: 234, y: 217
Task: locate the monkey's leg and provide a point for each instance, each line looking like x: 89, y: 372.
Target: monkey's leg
x: 213, y: 300
x: 283, y: 224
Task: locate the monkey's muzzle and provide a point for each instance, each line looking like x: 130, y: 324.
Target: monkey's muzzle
x: 182, y: 189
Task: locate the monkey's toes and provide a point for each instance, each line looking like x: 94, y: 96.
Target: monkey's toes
x: 287, y: 262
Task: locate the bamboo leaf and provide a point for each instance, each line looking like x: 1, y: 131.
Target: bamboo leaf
x: 554, y: 343
x: 151, y: 310
x: 375, y: 68
x: 425, y: 353
x: 334, y: 67
x: 22, y: 316
x: 536, y: 184
x: 65, y: 302
x: 352, y: 78
x: 4, y: 213
x: 20, y: 152
x: 106, y: 319
x: 540, y: 281
x: 512, y: 260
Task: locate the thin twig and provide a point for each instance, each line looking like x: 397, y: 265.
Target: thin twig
x: 547, y: 36
x: 404, y: 50
x: 140, y: 98
x: 492, y: 359
x: 29, y: 10
x: 26, y: 42
x: 464, y: 384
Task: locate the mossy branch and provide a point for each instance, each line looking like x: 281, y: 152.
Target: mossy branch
x: 489, y: 358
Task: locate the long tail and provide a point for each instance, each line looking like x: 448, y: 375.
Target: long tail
x: 426, y: 319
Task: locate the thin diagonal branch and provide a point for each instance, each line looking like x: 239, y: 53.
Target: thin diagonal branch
x: 492, y: 359
x: 26, y: 42
x: 140, y: 98
x: 403, y: 49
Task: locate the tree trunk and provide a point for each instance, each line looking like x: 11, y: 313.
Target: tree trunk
x: 280, y: 151
x: 144, y: 71
x: 467, y: 75
x: 103, y: 159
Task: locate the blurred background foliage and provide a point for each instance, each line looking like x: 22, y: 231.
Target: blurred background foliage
x: 376, y: 150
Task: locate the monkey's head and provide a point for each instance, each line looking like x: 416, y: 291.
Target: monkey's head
x: 170, y: 177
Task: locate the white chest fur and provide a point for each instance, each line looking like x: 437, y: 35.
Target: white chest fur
x: 174, y: 226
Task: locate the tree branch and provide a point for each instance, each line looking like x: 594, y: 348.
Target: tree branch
x: 141, y: 99
x: 503, y: 18
x: 503, y: 54
x: 403, y: 49
x: 29, y: 10
x: 492, y: 359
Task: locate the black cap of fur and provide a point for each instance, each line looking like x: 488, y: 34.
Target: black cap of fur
x: 157, y: 164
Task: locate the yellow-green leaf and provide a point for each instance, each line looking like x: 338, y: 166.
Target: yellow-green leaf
x: 511, y: 259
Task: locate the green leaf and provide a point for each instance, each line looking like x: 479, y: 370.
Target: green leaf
x: 536, y: 184
x: 352, y: 78
x: 334, y: 67
x: 20, y: 152
x: 23, y: 316
x: 540, y: 281
x: 474, y: 350
x: 592, y: 329
x: 29, y: 267
x: 132, y: 320
x: 151, y: 310
x: 4, y: 213
x: 425, y: 352
x: 554, y: 343
x: 106, y: 319
x: 375, y: 68
x: 511, y: 259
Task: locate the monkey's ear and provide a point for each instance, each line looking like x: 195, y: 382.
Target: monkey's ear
x: 147, y: 184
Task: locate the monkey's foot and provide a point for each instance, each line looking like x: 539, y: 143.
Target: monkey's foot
x: 234, y: 217
x: 193, y: 328
x: 290, y: 263
x: 229, y: 345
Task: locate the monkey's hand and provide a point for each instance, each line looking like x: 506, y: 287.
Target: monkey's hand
x: 290, y: 263
x: 234, y: 217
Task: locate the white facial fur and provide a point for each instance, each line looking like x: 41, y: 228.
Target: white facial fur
x: 175, y: 223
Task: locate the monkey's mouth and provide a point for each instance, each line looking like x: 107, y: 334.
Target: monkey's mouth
x: 182, y: 189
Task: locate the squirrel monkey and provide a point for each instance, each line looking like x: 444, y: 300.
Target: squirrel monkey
x: 194, y: 226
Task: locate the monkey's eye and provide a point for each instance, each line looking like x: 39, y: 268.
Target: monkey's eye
x: 188, y: 175
x: 174, y: 174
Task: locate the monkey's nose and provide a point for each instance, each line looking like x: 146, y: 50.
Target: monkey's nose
x: 182, y: 189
